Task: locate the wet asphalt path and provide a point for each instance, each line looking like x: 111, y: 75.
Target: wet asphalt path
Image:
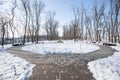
x: 61, y: 66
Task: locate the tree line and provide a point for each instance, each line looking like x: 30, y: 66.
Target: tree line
x: 100, y: 23
x: 103, y: 23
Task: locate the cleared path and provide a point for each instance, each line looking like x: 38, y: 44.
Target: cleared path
x: 61, y: 66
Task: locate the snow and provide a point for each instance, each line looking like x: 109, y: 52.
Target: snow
x: 2, y: 48
x: 99, y: 43
x: 116, y: 47
x: 47, y: 47
x: 13, y: 67
x: 106, y: 68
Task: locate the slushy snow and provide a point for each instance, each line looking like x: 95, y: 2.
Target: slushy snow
x: 106, y: 68
x: 13, y: 67
x: 47, y: 47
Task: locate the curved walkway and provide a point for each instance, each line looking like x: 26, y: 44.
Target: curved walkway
x: 61, y: 66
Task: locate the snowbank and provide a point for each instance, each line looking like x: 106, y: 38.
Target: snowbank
x: 116, y: 47
x: 66, y: 47
x: 14, y: 68
x: 5, y: 47
x: 106, y: 68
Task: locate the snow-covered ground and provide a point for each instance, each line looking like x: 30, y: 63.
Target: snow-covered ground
x: 46, y: 47
x: 13, y: 67
x: 116, y: 47
x: 106, y: 68
x: 2, y: 48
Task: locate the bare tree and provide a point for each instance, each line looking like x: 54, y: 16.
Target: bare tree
x: 38, y: 8
x: 88, y: 24
x: 117, y: 9
x: 114, y: 13
x: 11, y: 22
x: 65, y: 32
x: 98, y: 13
x: 31, y: 22
x: 51, y: 26
x: 25, y: 7
x: 3, y: 22
x: 82, y: 20
x: 76, y: 21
